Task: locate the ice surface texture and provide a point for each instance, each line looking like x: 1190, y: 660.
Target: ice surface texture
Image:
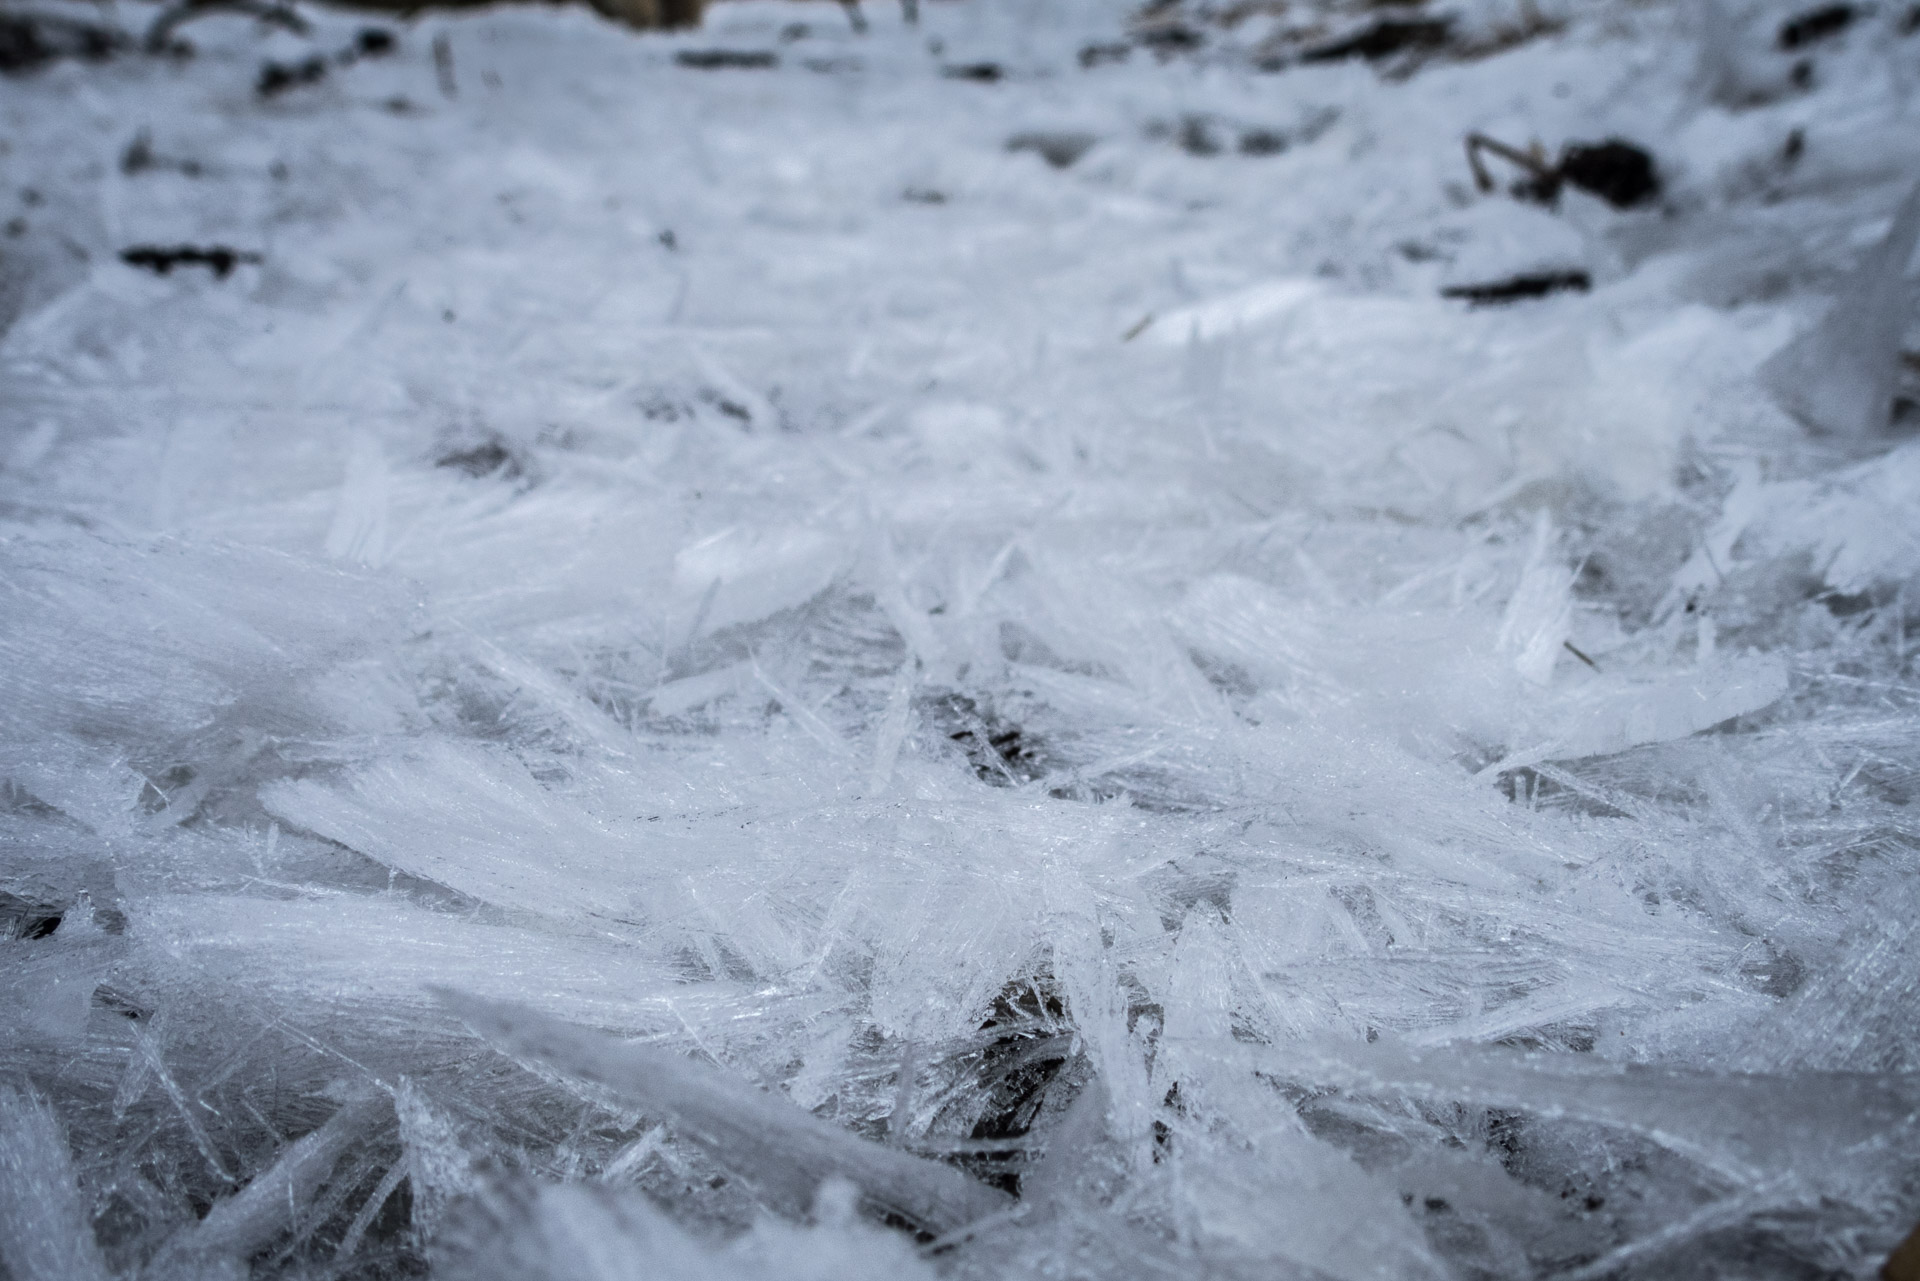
x: 738, y: 670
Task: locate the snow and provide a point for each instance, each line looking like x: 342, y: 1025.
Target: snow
x: 841, y: 669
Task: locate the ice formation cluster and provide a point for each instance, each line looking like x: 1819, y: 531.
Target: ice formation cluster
x: 1038, y: 645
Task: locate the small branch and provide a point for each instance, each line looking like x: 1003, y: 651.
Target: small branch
x: 1476, y: 142
x: 1575, y: 651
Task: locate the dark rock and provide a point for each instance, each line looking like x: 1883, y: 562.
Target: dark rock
x: 1618, y: 172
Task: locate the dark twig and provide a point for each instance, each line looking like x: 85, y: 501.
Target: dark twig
x: 1618, y: 172
x: 1520, y: 288
x: 1531, y: 161
x: 162, y: 259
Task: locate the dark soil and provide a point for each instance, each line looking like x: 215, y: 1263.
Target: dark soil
x: 1018, y: 1068
x: 1000, y: 752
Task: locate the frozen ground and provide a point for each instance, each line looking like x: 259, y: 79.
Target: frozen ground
x: 935, y: 660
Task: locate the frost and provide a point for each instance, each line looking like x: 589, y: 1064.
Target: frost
x: 44, y: 1232
x: 1840, y: 375
x: 245, y: 1223
x: 569, y: 1232
x: 788, y: 1155
x: 1219, y: 317
x: 1539, y: 617
x: 687, y: 671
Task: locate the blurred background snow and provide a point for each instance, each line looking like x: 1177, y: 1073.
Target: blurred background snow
x: 956, y: 649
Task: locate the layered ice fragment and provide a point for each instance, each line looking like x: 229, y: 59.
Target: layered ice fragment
x: 1839, y: 376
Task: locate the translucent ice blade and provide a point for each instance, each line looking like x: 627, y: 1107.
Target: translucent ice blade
x: 1741, y: 1124
x: 783, y: 1151
x: 242, y: 1225
x: 1840, y: 376
x: 45, y: 1232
